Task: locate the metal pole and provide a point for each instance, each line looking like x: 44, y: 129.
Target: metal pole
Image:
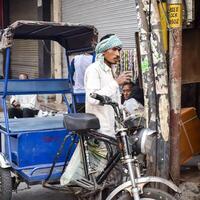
x: 148, y: 80
x: 175, y: 65
x: 161, y: 87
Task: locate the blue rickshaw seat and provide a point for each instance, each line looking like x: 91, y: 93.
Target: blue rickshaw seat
x: 33, y: 124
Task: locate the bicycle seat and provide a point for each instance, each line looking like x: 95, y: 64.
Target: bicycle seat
x: 80, y: 121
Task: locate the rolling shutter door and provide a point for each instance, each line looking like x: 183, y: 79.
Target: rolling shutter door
x: 24, y: 53
x: 111, y: 16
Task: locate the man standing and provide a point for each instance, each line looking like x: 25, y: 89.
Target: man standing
x: 99, y: 79
x: 78, y: 65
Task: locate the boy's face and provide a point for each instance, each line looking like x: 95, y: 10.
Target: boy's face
x: 112, y: 55
x: 126, y: 91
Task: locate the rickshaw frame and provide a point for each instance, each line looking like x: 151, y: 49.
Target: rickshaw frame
x: 75, y: 38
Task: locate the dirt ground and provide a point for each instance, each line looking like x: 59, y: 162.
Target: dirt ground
x: 190, y: 178
x: 37, y: 192
x: 190, y: 191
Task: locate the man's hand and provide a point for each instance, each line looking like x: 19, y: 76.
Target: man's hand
x: 124, y: 77
x: 15, y: 104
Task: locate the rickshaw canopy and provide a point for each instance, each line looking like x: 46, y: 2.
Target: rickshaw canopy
x: 73, y: 37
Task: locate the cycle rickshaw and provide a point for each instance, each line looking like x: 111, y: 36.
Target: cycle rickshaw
x: 30, y: 146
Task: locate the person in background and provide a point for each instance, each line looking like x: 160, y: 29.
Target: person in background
x: 23, y: 105
x: 78, y: 65
x: 132, y: 99
x: 127, y: 90
x: 99, y: 79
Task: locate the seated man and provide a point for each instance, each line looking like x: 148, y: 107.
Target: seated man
x: 132, y: 99
x: 23, y: 105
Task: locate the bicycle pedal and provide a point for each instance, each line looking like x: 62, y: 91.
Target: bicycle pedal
x: 84, y: 183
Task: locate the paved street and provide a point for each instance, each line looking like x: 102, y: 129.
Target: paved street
x: 40, y: 193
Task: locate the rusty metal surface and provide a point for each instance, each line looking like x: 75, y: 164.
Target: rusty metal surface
x: 175, y: 152
x: 175, y: 98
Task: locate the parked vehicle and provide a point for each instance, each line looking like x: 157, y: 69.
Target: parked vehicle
x: 131, y: 141
x: 29, y: 146
x: 37, y: 150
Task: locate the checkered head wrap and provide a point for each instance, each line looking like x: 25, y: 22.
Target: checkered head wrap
x: 108, y: 43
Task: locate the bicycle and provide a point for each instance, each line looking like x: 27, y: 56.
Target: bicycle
x: 130, y: 141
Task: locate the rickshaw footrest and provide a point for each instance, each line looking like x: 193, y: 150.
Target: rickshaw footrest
x: 85, y: 184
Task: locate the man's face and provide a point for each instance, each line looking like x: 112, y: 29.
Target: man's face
x: 111, y: 56
x: 23, y: 76
x: 126, y: 91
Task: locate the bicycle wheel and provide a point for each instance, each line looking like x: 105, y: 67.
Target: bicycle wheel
x: 149, y: 194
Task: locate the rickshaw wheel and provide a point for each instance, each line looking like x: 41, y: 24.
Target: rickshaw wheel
x: 5, y: 184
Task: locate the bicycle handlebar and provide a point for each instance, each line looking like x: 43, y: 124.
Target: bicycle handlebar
x: 97, y: 97
x: 103, y: 99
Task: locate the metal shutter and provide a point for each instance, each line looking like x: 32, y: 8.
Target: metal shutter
x: 108, y: 16
x: 24, y: 53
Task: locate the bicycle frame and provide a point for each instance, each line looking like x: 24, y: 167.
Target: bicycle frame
x: 86, y: 164
x: 136, y: 183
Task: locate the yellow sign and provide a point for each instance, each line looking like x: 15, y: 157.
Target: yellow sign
x: 175, y: 15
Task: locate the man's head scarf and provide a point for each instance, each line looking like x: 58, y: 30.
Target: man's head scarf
x: 108, y: 43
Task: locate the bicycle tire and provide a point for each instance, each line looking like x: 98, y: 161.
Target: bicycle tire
x: 5, y: 184
x: 148, y: 194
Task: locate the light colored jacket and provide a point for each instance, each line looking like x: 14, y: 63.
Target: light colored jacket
x: 99, y: 79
